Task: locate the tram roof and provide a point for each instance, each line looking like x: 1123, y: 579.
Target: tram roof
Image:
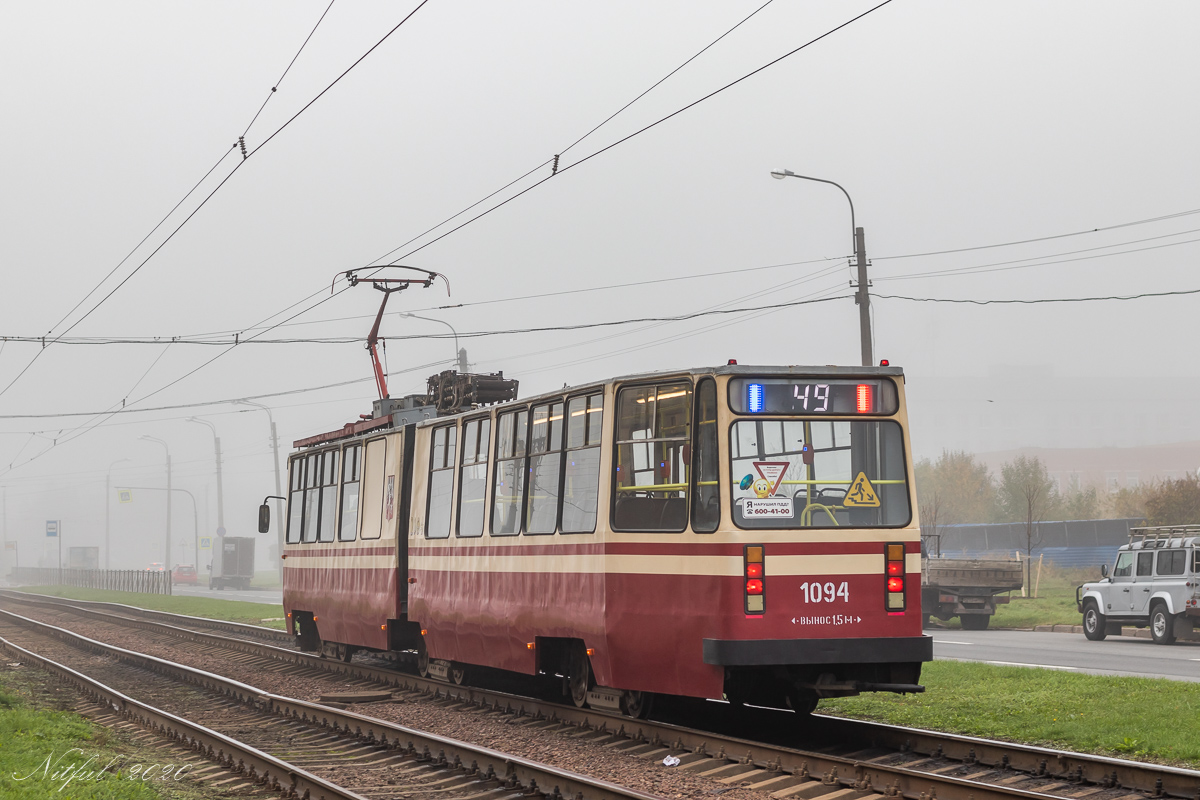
x: 352, y: 429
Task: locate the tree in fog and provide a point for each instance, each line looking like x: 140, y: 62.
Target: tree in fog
x: 1078, y: 503
x: 1126, y: 502
x: 1174, y: 502
x: 953, y: 490
x: 1026, y: 494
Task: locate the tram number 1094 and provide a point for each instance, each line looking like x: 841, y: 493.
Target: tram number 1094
x: 816, y: 592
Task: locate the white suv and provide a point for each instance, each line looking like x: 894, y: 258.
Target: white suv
x: 1155, y: 582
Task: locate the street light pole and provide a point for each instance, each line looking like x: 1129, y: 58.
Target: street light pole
x: 459, y: 355
x: 862, y: 297
x: 279, y: 524
x: 220, y: 492
x: 167, y: 548
x: 107, y: 503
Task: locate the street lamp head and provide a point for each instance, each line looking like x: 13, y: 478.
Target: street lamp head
x: 780, y: 174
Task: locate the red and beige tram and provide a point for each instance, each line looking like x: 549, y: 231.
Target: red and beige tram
x: 739, y: 531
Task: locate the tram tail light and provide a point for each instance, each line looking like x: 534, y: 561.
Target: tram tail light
x: 864, y: 399
x: 754, y: 575
x: 894, y: 575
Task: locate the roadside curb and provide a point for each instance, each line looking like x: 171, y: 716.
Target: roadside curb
x: 1139, y: 633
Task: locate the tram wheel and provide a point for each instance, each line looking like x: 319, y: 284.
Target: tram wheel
x: 579, y: 679
x: 636, y: 704
x: 422, y: 659
x: 801, y: 701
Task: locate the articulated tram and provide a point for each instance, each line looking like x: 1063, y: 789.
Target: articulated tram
x: 736, y: 531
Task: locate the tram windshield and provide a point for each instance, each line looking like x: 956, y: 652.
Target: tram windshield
x: 798, y: 473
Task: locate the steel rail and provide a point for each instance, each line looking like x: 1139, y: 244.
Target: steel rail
x: 1075, y: 769
x: 247, y: 761
x: 510, y: 771
x: 273, y: 634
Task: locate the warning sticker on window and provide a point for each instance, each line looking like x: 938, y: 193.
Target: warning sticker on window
x: 767, y: 507
x: 861, y: 494
x: 772, y: 472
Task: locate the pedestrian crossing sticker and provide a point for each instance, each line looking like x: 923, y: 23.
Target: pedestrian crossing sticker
x: 125, y: 495
x: 862, y: 494
x: 205, y: 542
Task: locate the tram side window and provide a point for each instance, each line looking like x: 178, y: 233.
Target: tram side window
x: 441, y: 482
x: 706, y: 497
x: 296, y: 501
x: 351, y: 474
x: 653, y: 433
x: 581, y: 483
x: 509, y: 487
x: 472, y: 488
x: 329, y: 478
x: 545, y: 468
x: 312, y: 496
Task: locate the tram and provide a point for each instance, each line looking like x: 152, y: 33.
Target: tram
x: 733, y: 531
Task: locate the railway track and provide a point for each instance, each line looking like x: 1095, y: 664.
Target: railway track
x: 300, y: 749
x: 853, y: 759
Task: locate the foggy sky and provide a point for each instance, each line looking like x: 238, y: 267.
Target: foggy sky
x: 951, y: 125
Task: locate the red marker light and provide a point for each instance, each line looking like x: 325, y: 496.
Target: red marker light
x: 754, y: 587
x: 895, y: 568
x: 754, y: 570
x: 895, y: 584
x: 864, y: 398
x: 883, y: 362
x: 732, y: 362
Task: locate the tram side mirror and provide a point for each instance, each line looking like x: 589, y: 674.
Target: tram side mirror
x: 1104, y: 570
x: 264, y: 518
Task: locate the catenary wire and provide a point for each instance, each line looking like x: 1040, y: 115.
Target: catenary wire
x: 232, y: 172
x: 1037, y: 301
x: 1005, y: 266
x: 288, y: 68
x: 604, y: 149
x: 645, y: 128
x: 610, y: 118
x: 1041, y: 238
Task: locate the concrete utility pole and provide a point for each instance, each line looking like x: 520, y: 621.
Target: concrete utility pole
x: 107, y: 503
x: 279, y: 520
x: 463, y: 366
x: 167, y: 546
x: 862, y: 297
x: 220, y: 491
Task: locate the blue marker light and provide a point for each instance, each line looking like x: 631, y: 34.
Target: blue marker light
x: 754, y: 397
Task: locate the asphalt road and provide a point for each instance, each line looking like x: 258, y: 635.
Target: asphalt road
x: 249, y: 595
x: 1116, y: 655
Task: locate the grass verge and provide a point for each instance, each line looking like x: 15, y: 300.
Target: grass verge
x: 267, y: 615
x: 1138, y: 718
x: 46, y: 751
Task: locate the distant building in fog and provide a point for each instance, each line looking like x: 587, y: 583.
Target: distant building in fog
x: 1111, y: 432
x: 1106, y: 468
